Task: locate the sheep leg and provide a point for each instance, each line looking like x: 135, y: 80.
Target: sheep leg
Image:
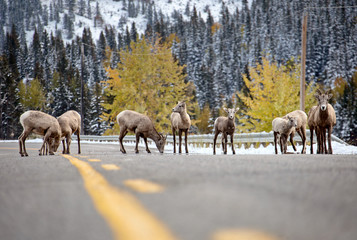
x: 180, y: 140
x: 325, y: 141
x: 44, y: 148
x: 311, y: 140
x: 122, y: 134
x: 68, y: 140
x: 275, y: 142
x: 329, y: 140
x: 292, y: 140
x: 22, y: 139
x: 146, y: 144
x: 45, y: 140
x: 233, y: 151
x: 323, y: 145
x: 281, y: 144
x: 64, y: 147
x: 137, y: 135
x: 186, y: 146
x: 319, y: 141
x: 174, y: 138
x: 79, y: 139
x: 225, y: 143
x: 214, y: 141
x: 21, y: 144
x: 302, y: 133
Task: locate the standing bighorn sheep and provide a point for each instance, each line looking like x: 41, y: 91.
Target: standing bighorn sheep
x: 142, y: 126
x: 300, y: 128
x: 42, y: 124
x: 226, y: 126
x: 180, y: 121
x: 70, y: 123
x: 323, y: 118
x: 282, y: 129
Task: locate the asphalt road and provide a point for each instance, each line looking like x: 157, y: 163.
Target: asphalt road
x: 104, y: 194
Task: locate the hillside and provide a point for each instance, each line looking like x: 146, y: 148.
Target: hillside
x: 116, y: 14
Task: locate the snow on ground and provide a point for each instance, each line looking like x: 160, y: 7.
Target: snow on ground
x: 338, y: 148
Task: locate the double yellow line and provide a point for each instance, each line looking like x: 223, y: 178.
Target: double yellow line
x: 128, y: 219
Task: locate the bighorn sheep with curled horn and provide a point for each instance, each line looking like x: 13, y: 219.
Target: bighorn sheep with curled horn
x: 323, y: 118
x: 300, y: 128
x: 282, y: 129
x: 180, y: 121
x: 70, y: 123
x: 142, y: 126
x: 42, y: 124
x: 226, y: 126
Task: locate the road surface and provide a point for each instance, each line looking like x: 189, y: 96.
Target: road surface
x: 104, y: 194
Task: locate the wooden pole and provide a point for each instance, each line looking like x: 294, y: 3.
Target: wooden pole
x: 82, y: 72
x: 303, y: 63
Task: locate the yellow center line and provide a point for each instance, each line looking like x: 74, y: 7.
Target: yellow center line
x: 242, y: 234
x: 125, y: 215
x: 110, y: 167
x: 94, y: 160
x: 144, y: 186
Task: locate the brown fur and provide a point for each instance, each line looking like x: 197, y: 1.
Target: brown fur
x: 42, y: 124
x: 300, y: 128
x: 226, y: 126
x: 70, y: 123
x: 180, y: 121
x: 323, y: 118
x: 142, y: 126
x: 282, y: 129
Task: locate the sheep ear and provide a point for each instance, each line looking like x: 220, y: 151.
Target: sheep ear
x: 237, y: 109
x: 317, y: 94
x: 225, y: 109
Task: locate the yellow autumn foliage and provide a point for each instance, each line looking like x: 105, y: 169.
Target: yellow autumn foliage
x: 274, y: 91
x: 147, y: 80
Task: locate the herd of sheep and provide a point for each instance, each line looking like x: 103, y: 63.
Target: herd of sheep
x: 321, y: 118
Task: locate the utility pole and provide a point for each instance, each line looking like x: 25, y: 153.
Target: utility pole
x: 303, y: 62
x: 82, y: 72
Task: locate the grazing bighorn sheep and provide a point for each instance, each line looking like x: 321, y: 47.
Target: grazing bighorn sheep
x: 324, y: 118
x: 180, y: 121
x: 226, y: 126
x: 42, y: 124
x: 70, y: 123
x: 282, y: 128
x: 300, y: 128
x: 142, y: 126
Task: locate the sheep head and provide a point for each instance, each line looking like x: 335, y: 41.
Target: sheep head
x: 322, y: 99
x: 231, y: 112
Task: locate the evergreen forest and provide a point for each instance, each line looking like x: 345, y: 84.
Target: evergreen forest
x: 208, y: 62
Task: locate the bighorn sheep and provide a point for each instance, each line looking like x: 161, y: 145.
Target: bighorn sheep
x: 226, y: 126
x: 323, y: 118
x: 142, y: 126
x: 282, y: 128
x: 42, y: 124
x: 70, y: 123
x: 180, y: 121
x: 300, y: 128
